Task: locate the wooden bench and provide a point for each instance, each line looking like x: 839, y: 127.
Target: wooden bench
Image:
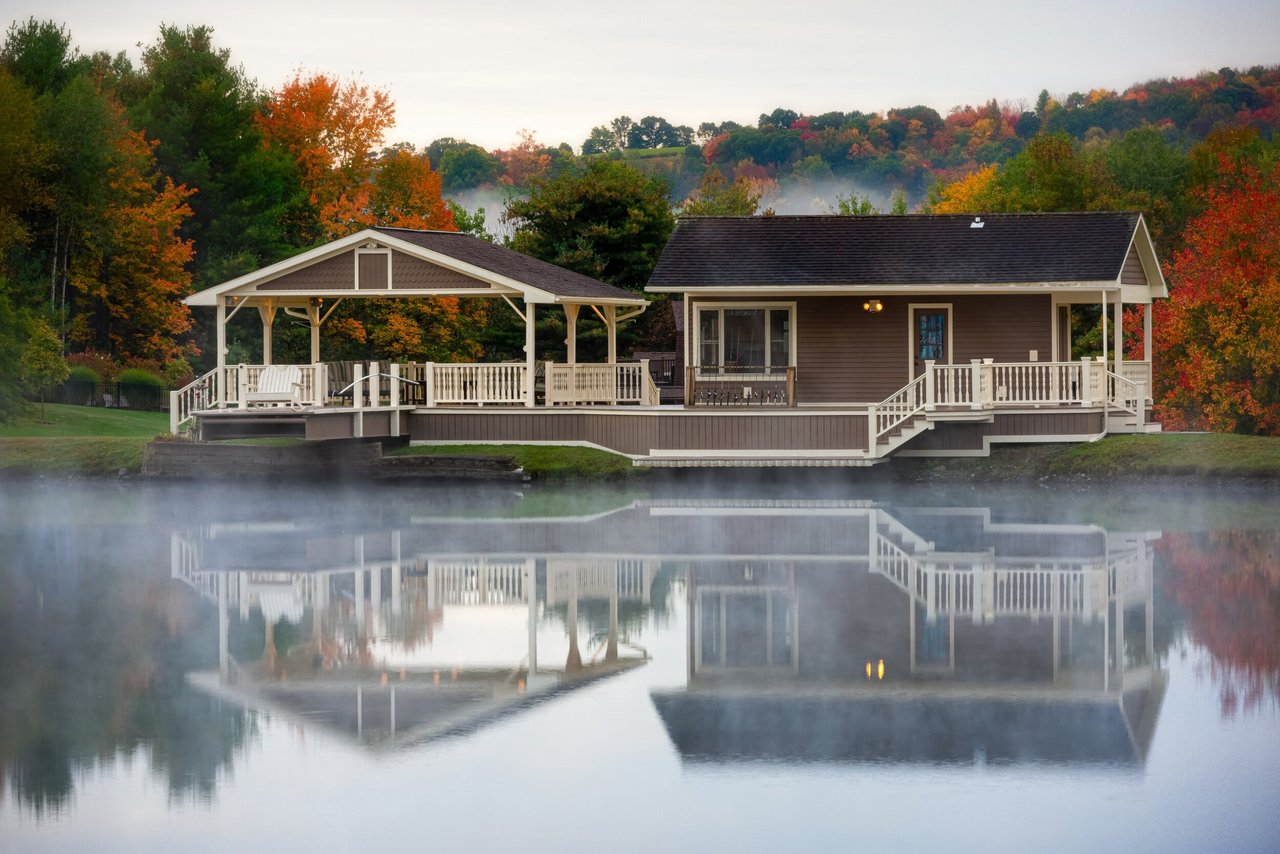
x: 277, y: 384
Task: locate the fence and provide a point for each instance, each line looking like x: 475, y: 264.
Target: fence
x: 142, y: 396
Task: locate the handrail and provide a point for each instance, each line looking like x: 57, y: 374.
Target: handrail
x: 895, y: 410
x: 1127, y: 394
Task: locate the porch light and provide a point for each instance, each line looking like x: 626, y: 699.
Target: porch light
x: 874, y: 306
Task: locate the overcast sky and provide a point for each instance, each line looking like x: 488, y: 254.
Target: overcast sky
x: 484, y: 69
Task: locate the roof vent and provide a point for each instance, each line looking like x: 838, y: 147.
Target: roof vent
x: 977, y: 222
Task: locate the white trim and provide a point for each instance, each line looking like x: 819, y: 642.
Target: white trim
x: 911, y: 333
x: 789, y: 306
x: 791, y: 291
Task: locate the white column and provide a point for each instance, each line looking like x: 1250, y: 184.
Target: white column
x: 313, y: 315
x: 222, y: 333
x: 611, y: 323
x: 1104, y: 327
x: 1146, y: 333
x: 268, y: 314
x: 571, y: 327
x: 529, y: 392
x: 1119, y: 333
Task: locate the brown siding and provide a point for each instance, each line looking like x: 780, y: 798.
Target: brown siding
x: 1048, y: 423
x: 846, y: 354
x: 1001, y: 327
x: 414, y: 273
x: 1132, y: 274
x: 337, y: 425
x: 336, y: 272
x: 373, y: 271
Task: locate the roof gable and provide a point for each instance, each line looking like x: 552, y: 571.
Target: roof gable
x: 797, y: 251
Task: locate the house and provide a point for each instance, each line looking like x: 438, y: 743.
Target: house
x: 804, y: 340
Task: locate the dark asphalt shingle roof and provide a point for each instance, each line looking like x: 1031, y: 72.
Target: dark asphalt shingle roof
x: 895, y: 250
x: 514, y: 265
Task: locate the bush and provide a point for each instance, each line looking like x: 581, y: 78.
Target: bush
x: 102, y: 366
x: 139, y: 376
x: 82, y: 374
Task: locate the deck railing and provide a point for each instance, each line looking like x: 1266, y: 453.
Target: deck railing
x: 624, y: 382
x: 477, y: 383
x: 899, y: 408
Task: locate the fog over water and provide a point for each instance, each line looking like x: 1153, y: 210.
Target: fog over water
x: 688, y: 666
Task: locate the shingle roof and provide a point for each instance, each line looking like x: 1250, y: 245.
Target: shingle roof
x: 895, y: 250
x: 514, y: 265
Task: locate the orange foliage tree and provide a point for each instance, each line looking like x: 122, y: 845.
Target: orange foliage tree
x: 129, y: 268
x: 1217, y: 337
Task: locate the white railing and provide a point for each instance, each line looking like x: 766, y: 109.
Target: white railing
x: 1127, y: 395
x: 626, y: 382
x: 1137, y: 372
x: 953, y: 385
x: 215, y: 390
x: 478, y: 581
x: 1036, y: 383
x: 895, y: 410
x: 477, y: 383
x: 602, y: 578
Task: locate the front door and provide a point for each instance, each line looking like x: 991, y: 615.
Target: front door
x: 929, y: 338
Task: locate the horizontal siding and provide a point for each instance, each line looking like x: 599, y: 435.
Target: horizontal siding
x: 332, y: 273
x: 1005, y: 328
x: 1132, y: 273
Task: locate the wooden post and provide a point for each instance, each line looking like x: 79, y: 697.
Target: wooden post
x: 571, y: 327
x: 375, y: 386
x: 429, y: 383
x: 1146, y: 333
x: 791, y: 386
x: 611, y: 323
x: 394, y: 370
x: 690, y: 378
x: 221, y: 332
x: 975, y: 384
x: 1104, y: 326
x: 1119, y: 334
x: 320, y: 383
x: 529, y: 339
x: 242, y: 386
x: 871, y: 431
x: 1086, y: 374
x: 268, y: 314
x: 173, y: 413
x: 929, y: 391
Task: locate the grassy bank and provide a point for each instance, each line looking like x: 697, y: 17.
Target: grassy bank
x: 64, y: 441
x: 1190, y: 455
x: 542, y: 462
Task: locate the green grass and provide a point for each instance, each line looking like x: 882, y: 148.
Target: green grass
x: 1202, y: 455
x: 59, y: 420
x: 77, y: 440
x: 542, y: 462
x: 650, y: 153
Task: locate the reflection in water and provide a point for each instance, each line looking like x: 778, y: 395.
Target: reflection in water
x: 804, y: 631
x: 930, y: 635
x: 1228, y: 585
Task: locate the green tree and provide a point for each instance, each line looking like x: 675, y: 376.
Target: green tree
x: 13, y: 331
x: 40, y: 54
x: 467, y: 166
x: 855, y: 205
x: 23, y: 157
x: 715, y: 196
x: 606, y: 220
x: 600, y: 141
x: 42, y: 365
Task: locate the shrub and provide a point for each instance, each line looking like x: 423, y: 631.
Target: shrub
x: 178, y: 373
x: 138, y: 376
x: 102, y: 366
x: 82, y: 374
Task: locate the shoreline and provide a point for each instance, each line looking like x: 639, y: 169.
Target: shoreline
x: 1163, y: 459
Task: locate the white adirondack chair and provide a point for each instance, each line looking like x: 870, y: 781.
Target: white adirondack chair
x: 277, y: 384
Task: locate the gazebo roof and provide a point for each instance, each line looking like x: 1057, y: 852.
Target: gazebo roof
x: 442, y: 263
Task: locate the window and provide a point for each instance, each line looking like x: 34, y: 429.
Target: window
x: 744, y: 339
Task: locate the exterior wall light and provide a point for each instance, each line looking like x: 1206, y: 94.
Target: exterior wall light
x: 873, y: 305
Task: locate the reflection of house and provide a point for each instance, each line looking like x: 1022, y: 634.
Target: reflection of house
x: 398, y: 647
x: 804, y: 340
x: 949, y: 639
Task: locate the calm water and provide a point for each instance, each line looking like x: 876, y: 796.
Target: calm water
x: 300, y: 669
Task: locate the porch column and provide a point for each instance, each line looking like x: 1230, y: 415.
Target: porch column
x: 221, y: 333
x: 1119, y: 332
x: 528, y: 353
x: 313, y: 315
x: 1104, y: 327
x: 268, y: 314
x: 611, y: 323
x: 1146, y: 333
x: 571, y: 326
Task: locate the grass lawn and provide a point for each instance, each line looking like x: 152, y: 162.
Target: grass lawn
x: 540, y: 461
x: 78, y: 440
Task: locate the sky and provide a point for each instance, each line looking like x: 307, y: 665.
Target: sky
x: 483, y: 70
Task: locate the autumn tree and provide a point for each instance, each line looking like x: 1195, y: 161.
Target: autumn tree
x: 1217, y: 337
x: 331, y: 131
x: 42, y: 365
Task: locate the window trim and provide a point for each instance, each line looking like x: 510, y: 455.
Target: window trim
x: 695, y: 339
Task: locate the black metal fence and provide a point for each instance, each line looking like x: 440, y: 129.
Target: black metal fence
x: 113, y: 395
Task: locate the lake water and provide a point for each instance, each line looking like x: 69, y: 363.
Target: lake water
x: 760, y: 668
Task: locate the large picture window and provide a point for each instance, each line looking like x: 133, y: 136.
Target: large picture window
x: 744, y: 339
